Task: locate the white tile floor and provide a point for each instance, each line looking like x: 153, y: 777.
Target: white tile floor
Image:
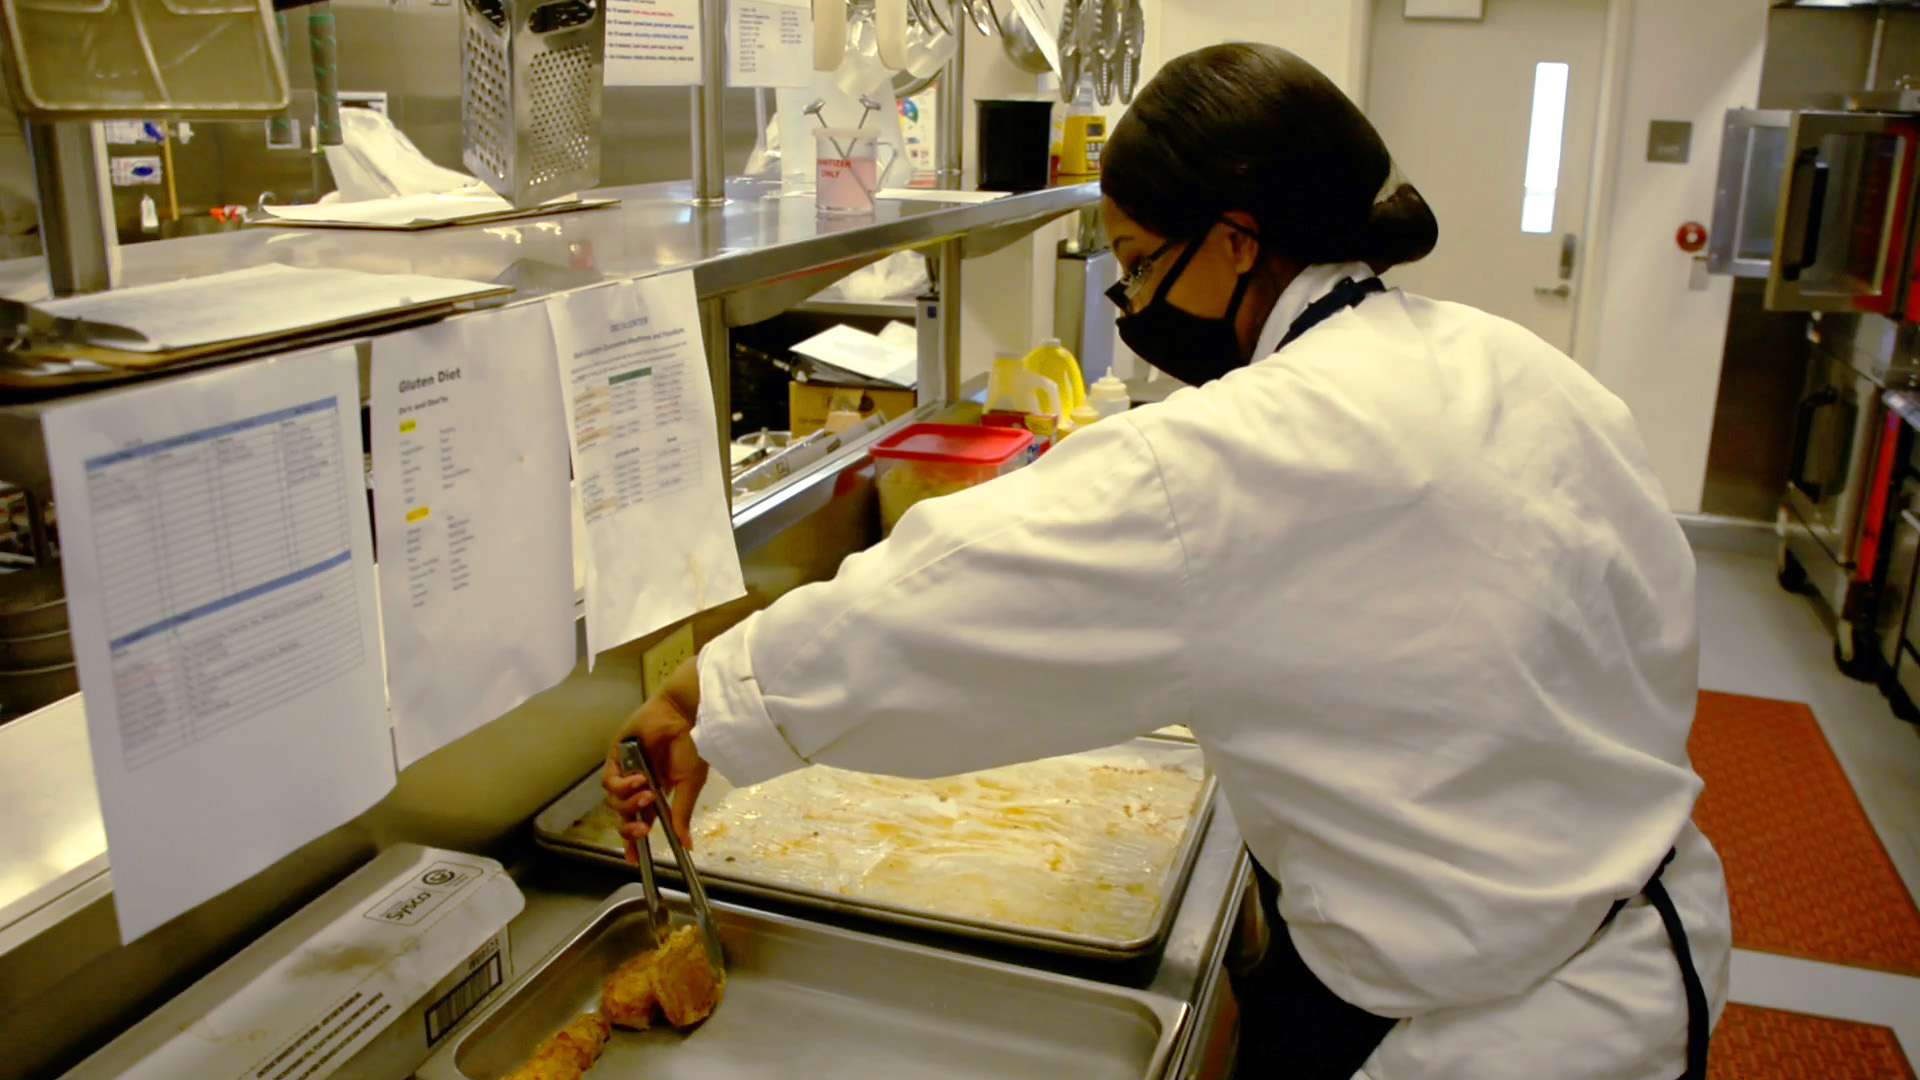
x: 1756, y: 639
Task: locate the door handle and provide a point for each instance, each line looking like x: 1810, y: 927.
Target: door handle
x: 1806, y: 205
x: 1803, y: 438
x: 1562, y: 290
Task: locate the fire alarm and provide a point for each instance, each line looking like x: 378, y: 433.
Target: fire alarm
x: 1691, y: 237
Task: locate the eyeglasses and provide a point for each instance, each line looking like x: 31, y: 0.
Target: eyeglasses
x: 1122, y: 292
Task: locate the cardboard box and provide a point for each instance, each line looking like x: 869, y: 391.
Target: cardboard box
x: 809, y: 402
x: 363, y: 982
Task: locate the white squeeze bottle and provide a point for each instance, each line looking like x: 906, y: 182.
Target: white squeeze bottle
x: 1109, y: 395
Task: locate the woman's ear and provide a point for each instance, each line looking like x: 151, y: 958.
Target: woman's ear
x: 1243, y: 240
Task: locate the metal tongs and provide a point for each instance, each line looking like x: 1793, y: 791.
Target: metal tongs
x: 633, y: 758
x: 23, y: 325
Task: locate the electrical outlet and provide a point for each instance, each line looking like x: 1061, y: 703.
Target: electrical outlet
x: 660, y: 661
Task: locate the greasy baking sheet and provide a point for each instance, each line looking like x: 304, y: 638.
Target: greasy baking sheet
x: 1086, y: 854
x: 807, y: 1001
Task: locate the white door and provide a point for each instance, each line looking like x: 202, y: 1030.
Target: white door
x: 1493, y: 120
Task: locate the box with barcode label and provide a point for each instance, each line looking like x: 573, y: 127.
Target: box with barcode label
x: 364, y: 982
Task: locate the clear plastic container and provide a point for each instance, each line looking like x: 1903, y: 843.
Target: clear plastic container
x: 929, y: 460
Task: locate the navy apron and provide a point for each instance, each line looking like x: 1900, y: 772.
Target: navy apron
x: 1291, y: 1026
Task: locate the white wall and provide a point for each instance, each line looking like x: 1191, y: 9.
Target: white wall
x: 1648, y: 337
x: 1329, y: 34
x: 1008, y: 297
x: 1642, y: 331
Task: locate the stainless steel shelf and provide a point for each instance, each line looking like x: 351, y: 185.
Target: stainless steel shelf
x: 758, y: 240
x: 760, y: 254
x: 905, y: 309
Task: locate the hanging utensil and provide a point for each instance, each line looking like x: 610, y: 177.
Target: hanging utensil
x: 1017, y: 42
x: 1133, y: 44
x: 1087, y: 29
x: 634, y: 758
x: 829, y: 34
x: 932, y: 10
x: 1112, y: 29
x: 1070, y: 51
x: 890, y: 33
x: 1106, y: 35
x: 985, y: 18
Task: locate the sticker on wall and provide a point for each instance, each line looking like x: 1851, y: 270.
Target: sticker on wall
x: 135, y: 171
x: 1670, y: 142
x: 132, y: 132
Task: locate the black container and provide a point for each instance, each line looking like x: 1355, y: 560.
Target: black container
x: 1016, y: 144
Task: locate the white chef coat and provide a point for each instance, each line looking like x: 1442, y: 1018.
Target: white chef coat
x: 1414, y: 587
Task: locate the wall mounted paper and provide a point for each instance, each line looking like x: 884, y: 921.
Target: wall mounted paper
x: 219, y: 579
x: 471, y: 506
x: 653, y: 43
x: 640, y: 417
x: 769, y: 43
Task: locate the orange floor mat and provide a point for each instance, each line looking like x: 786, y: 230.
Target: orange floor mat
x: 1806, y: 873
x: 1752, y: 1043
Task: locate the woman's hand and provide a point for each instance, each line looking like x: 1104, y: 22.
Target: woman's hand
x: 664, y: 726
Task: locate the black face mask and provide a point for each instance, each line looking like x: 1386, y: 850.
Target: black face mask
x: 1192, y: 348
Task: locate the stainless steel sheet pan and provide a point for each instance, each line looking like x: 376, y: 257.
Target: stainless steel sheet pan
x: 805, y: 1000
x: 554, y: 829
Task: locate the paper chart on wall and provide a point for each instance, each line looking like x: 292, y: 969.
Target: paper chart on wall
x: 653, y: 43
x: 640, y: 417
x: 769, y: 43
x: 471, y: 508
x: 219, y: 578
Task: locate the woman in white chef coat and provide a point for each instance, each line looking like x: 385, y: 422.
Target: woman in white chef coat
x: 1402, y: 567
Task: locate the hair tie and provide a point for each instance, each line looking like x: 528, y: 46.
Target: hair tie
x: 1395, y: 181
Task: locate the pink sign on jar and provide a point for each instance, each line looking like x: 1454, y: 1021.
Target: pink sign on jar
x: 848, y: 173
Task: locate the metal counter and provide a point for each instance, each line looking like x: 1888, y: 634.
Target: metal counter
x: 54, y: 846
x: 756, y: 256
x: 758, y: 239
x: 561, y: 896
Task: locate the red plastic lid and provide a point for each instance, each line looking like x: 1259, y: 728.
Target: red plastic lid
x: 955, y: 444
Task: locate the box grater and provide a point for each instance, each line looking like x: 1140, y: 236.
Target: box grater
x: 530, y: 95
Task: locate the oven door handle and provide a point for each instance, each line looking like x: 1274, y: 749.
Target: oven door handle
x: 1804, y: 212
x: 1810, y: 406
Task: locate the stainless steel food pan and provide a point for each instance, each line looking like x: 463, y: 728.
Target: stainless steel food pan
x: 551, y: 831
x: 809, y: 1001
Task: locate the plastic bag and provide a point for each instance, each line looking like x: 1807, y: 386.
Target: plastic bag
x: 903, y: 273
x: 378, y: 161
x: 1083, y: 844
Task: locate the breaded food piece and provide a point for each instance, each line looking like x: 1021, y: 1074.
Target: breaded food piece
x: 627, y: 998
x: 567, y: 1053
x: 687, y: 986
x: 674, y: 979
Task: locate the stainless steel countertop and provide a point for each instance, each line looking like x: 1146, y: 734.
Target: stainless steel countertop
x: 52, y: 842
x: 757, y: 238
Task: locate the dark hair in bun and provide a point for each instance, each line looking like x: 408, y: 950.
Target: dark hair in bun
x: 1255, y: 128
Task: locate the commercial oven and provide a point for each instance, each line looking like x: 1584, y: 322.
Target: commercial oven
x: 1835, y: 510
x: 1821, y: 205
x: 1896, y: 626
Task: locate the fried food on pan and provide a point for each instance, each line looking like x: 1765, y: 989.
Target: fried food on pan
x: 675, y: 979
x: 567, y: 1053
x: 685, y: 983
x: 627, y: 998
